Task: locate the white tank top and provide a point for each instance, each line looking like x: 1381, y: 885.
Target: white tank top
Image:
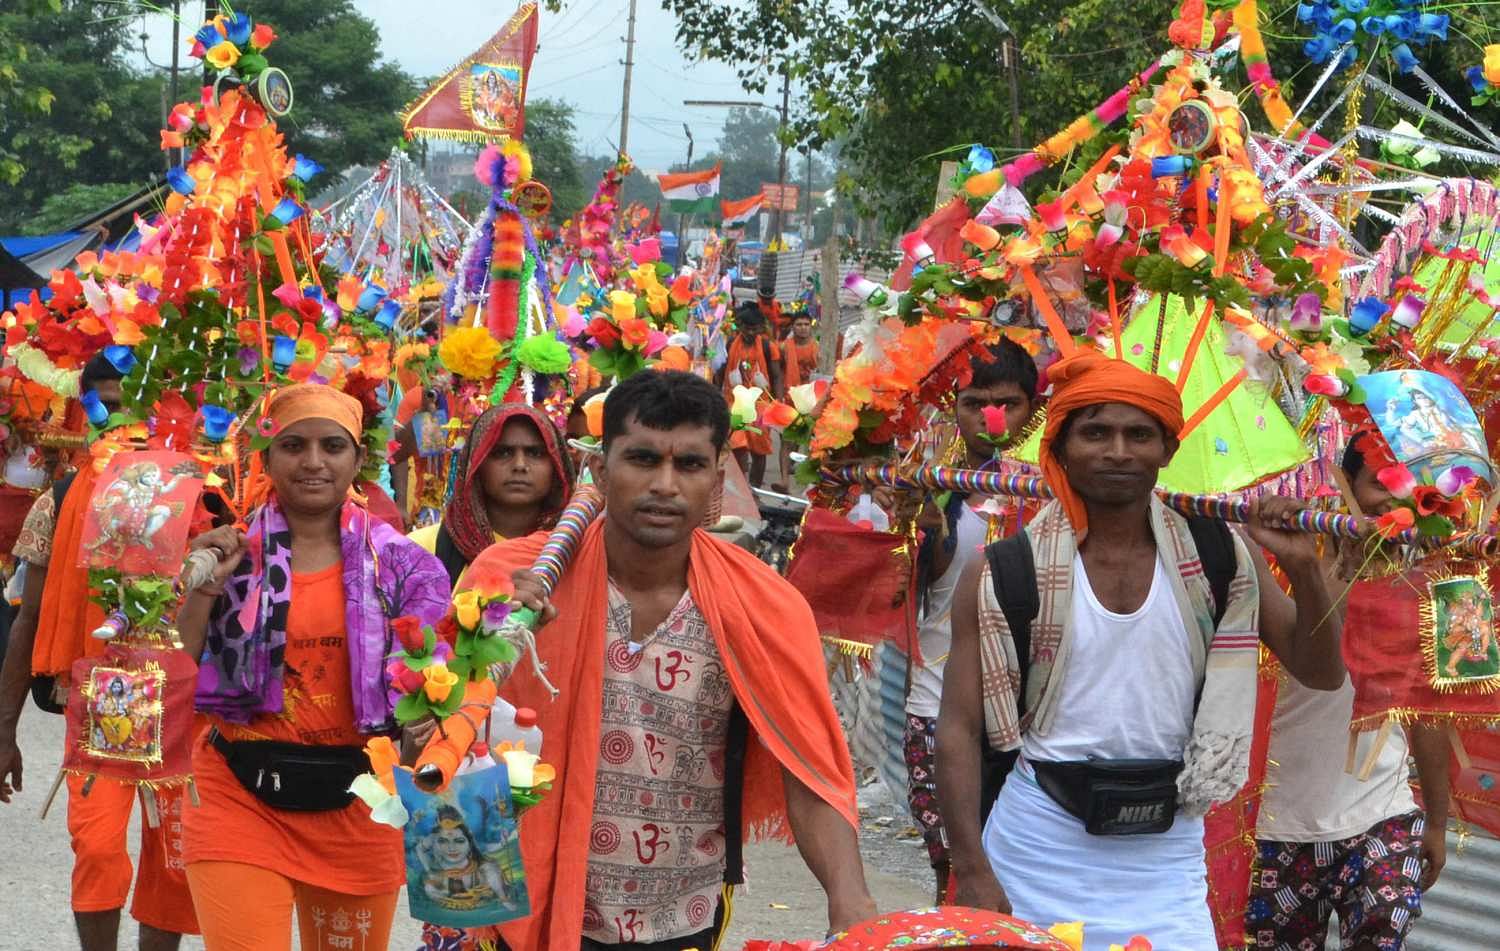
x: 1309, y: 795
x: 935, y: 629
x: 1129, y: 686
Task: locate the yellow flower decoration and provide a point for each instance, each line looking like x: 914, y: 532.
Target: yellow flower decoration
x: 466, y: 608
x: 470, y: 352
x: 222, y: 55
x: 656, y: 300
x: 621, y: 305
x: 438, y: 681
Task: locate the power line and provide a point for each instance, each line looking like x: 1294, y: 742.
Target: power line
x: 592, y: 36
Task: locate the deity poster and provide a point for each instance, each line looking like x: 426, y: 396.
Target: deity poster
x: 1428, y: 424
x: 463, y: 851
x: 142, y: 509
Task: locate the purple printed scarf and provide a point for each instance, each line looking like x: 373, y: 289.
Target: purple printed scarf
x: 385, y: 576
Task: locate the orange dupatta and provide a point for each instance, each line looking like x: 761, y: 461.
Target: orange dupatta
x: 68, y: 618
x: 769, y: 645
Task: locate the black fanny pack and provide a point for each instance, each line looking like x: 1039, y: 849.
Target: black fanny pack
x: 293, y: 776
x: 1114, y: 797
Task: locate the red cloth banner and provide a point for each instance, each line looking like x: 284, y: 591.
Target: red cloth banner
x: 483, y: 98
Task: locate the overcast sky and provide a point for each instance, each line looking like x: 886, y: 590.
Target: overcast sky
x: 580, y: 60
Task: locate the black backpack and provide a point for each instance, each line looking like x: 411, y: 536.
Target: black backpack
x: 1013, y: 573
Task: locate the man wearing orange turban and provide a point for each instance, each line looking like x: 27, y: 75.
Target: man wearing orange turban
x: 1142, y: 648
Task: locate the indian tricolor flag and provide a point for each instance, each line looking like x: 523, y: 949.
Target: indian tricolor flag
x: 691, y: 193
x: 739, y: 212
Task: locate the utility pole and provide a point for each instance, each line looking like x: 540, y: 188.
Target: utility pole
x: 682, y: 218
x: 629, y: 65
x: 1010, y: 61
x: 807, y: 228
x: 786, y: 102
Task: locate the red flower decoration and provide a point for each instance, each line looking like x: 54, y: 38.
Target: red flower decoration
x: 1430, y: 501
x: 605, y: 334
x: 1395, y: 522
x: 408, y: 631
x: 175, y: 422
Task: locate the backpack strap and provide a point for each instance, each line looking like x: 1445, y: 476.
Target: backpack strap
x: 59, y: 490
x: 1216, y: 552
x: 735, y: 746
x: 1013, y: 575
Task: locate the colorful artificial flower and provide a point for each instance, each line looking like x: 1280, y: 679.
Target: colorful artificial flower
x: 1455, y: 479
x: 1398, y: 481
x: 438, y: 682
x: 262, y: 36
x: 469, y: 352
x: 805, y: 397
x: 742, y: 409
x: 222, y: 55
x: 409, y: 632
x: 635, y: 332
x: 466, y: 609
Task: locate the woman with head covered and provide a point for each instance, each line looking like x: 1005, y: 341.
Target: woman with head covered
x: 292, y: 634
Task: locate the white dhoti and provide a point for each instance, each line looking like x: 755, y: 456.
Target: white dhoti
x: 1118, y: 886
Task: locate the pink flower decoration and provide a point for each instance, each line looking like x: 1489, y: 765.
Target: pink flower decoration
x: 1453, y: 479
x: 655, y: 343
x: 289, y: 294
x: 1307, y: 313
x: 917, y: 248
x: 1397, y: 480
x: 994, y: 421
x: 487, y: 164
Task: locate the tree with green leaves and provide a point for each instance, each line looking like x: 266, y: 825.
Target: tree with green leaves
x: 551, y: 137
x: 73, y: 110
x: 900, y: 82
x: 347, y: 96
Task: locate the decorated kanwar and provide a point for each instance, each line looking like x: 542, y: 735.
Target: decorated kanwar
x: 438, y: 516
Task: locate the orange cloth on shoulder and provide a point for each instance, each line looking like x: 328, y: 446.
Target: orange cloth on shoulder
x: 1087, y: 379
x: 66, y: 621
x: 773, y: 657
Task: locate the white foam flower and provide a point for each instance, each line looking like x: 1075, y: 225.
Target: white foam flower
x: 385, y: 807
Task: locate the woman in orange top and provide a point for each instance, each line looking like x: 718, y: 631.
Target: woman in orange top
x: 293, y: 634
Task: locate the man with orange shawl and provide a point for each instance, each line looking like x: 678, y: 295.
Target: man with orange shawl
x: 695, y: 708
x: 51, y: 631
x: 754, y: 361
x: 1132, y: 706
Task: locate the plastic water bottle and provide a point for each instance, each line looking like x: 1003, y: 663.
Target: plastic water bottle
x: 516, y: 726
x: 865, y: 512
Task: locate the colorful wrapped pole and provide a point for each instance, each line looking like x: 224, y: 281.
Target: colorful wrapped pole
x: 947, y: 478
x: 562, y: 544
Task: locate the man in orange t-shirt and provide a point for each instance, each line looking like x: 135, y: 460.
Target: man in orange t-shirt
x: 754, y: 361
x: 50, y: 632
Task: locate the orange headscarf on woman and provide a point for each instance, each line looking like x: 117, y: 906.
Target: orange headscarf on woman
x: 1087, y: 379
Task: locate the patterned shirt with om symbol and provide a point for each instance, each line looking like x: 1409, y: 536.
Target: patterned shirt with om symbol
x: 656, y: 849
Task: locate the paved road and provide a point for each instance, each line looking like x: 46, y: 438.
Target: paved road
x: 782, y: 899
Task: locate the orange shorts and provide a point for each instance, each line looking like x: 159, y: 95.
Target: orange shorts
x: 248, y: 908
x: 97, y: 824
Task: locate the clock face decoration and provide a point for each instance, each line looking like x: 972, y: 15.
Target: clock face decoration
x: 532, y: 198
x: 1191, y: 127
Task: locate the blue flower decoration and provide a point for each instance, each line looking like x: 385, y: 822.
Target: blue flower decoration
x: 1406, y: 60
x: 980, y: 160
x: 1355, y: 6
x: 1342, y: 31
x: 314, y: 291
x: 305, y: 168
x: 208, y: 35
x: 1319, y: 48
x: 1168, y: 166
x: 237, y: 29
x: 287, y: 211
x: 1402, y: 26
x: 370, y: 297
x: 283, y: 352
x: 121, y: 358
x: 1374, y: 26
x: 94, y: 407
x: 1433, y: 25
x: 385, y: 317
x: 1366, y: 315
x: 1475, y: 76
x: 216, y: 422
x: 182, y: 183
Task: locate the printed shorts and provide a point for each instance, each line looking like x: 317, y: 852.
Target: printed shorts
x: 920, y: 744
x: 1371, y: 880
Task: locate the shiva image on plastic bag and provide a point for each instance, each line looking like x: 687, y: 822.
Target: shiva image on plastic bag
x: 1427, y: 422
x: 1459, y: 629
x: 463, y: 852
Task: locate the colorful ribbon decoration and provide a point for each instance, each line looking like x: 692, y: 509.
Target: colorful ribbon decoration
x: 952, y: 479
x: 563, y: 543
